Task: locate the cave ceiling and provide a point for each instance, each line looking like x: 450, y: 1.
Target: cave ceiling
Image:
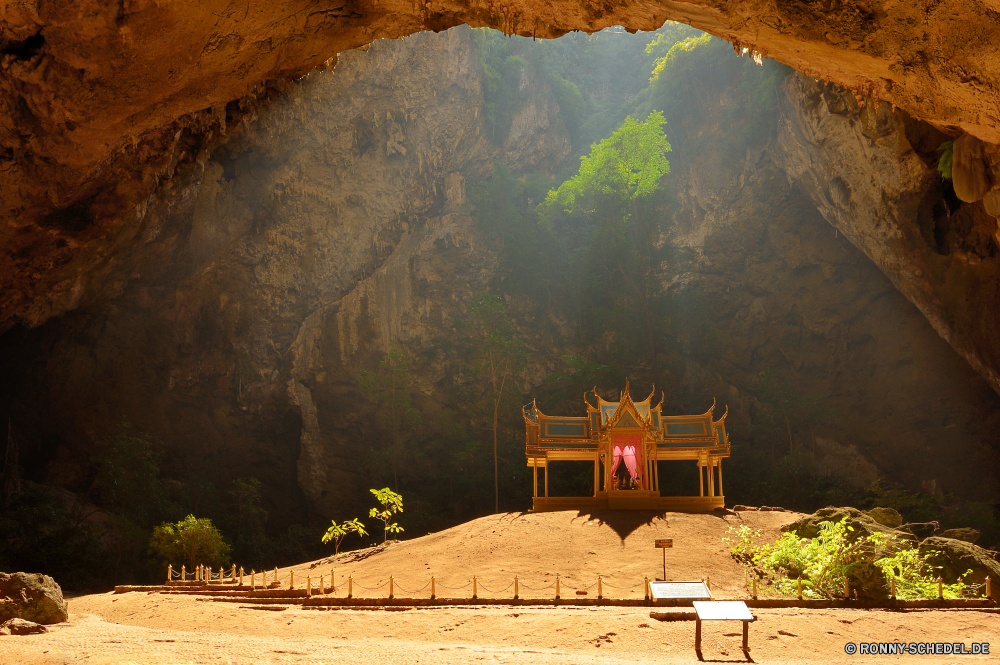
x: 103, y: 103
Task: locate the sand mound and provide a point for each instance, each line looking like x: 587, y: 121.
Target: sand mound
x: 618, y: 545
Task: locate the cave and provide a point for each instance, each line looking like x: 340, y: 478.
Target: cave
x: 253, y: 257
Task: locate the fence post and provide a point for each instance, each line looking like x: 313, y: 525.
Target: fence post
x: 222, y: 575
x: 253, y: 578
x: 800, y: 587
x: 557, y: 586
x: 600, y: 590
x: 234, y: 573
x: 183, y: 574
x: 275, y: 575
x: 515, y: 587
x: 847, y: 588
x: 309, y: 583
x: 291, y: 579
x: 170, y: 572
x: 940, y: 588
x: 433, y: 594
x: 892, y: 584
x: 989, y: 588
x: 475, y: 591
x: 333, y: 580
x: 645, y: 586
x: 392, y: 587
x: 241, y: 575
x: 350, y: 586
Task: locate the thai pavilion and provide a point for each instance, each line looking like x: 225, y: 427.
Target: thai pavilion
x: 625, y: 439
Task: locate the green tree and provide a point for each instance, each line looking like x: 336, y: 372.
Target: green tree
x: 614, y: 178
x: 389, y: 388
x: 191, y: 541
x: 245, y: 523
x: 127, y: 481
x: 337, y: 532
x: 392, y: 504
x: 499, y: 355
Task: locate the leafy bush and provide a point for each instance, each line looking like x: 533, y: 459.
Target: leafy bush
x: 191, y: 541
x: 824, y: 563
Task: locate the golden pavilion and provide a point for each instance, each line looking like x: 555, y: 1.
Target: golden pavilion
x: 625, y: 440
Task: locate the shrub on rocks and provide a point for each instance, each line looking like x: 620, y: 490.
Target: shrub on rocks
x: 862, y: 525
x: 954, y: 558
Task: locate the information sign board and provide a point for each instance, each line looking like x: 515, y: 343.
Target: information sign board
x: 680, y: 590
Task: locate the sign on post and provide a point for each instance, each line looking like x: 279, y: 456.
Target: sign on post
x: 664, y: 543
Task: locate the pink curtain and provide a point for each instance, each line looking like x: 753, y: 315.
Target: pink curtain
x: 629, y: 455
x: 617, y: 459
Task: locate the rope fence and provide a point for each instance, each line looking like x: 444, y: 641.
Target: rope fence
x: 268, y: 580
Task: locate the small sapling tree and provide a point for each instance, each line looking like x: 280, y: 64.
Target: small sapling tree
x: 337, y: 532
x: 392, y: 503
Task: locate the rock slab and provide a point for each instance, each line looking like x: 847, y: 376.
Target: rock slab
x: 35, y: 598
x: 21, y: 627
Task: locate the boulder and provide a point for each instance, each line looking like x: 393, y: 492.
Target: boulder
x: 32, y: 597
x: 966, y: 534
x: 21, y: 627
x: 889, y: 517
x: 951, y: 558
x: 863, y: 525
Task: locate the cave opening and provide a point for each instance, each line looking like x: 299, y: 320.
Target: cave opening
x: 288, y: 321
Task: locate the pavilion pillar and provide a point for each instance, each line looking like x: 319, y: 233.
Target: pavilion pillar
x: 597, y: 481
x: 721, y: 493
x: 711, y: 476
x: 534, y: 485
x: 546, y: 478
x: 701, y: 480
x: 656, y: 474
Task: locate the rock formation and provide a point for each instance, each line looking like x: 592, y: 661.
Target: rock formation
x: 108, y: 108
x: 34, y: 598
x: 263, y: 277
x: 870, y: 172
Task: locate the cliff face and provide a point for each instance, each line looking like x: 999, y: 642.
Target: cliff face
x: 782, y: 308
x: 320, y: 219
x: 106, y: 109
x: 871, y: 173
x: 265, y: 277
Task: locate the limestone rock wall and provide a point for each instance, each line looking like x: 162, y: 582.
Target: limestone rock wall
x: 324, y: 221
x: 871, y: 172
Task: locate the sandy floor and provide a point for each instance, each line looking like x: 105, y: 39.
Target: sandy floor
x: 156, y: 628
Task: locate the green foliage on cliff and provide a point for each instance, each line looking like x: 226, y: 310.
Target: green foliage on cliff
x: 127, y: 481
x: 389, y: 387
